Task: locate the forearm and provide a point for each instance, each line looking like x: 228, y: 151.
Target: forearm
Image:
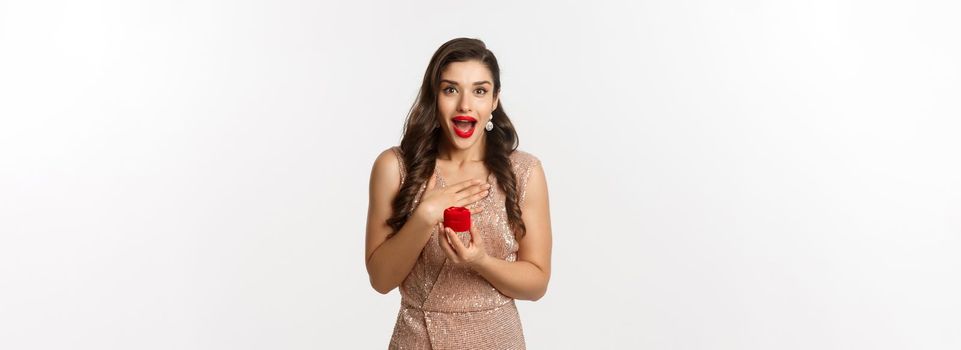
x: 392, y: 261
x: 518, y: 279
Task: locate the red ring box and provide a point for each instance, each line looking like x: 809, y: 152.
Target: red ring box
x: 457, y: 218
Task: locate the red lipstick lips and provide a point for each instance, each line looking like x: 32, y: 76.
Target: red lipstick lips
x: 464, y: 125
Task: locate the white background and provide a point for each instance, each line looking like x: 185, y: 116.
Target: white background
x: 737, y: 175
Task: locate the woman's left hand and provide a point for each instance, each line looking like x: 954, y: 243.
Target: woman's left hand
x: 470, y: 256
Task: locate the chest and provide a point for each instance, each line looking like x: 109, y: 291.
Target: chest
x: 453, y: 175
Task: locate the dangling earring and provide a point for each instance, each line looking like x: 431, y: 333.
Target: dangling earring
x: 490, y: 123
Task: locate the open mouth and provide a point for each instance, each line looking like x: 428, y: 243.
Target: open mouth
x: 464, y: 125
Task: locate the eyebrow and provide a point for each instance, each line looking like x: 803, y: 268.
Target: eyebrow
x: 455, y: 83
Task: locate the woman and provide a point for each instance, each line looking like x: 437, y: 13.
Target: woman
x: 458, y: 290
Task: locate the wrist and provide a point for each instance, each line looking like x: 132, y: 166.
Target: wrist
x: 421, y: 217
x: 423, y: 221
x: 482, y: 263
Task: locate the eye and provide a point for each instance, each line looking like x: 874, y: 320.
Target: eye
x: 482, y: 91
x: 449, y: 90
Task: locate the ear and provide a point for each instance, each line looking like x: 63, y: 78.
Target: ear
x: 496, y: 99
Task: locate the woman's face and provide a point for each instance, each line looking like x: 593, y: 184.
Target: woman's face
x: 466, y: 93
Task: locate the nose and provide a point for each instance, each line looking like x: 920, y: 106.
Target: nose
x: 464, y: 104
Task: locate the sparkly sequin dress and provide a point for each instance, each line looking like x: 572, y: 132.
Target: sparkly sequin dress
x: 449, y: 307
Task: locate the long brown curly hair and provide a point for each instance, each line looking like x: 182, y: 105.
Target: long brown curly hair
x: 422, y: 135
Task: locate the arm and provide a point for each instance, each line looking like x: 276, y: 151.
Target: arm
x: 389, y: 261
x: 527, y: 277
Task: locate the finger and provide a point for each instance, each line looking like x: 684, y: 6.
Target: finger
x: 455, y: 241
x: 476, y: 210
x: 473, y: 234
x: 473, y: 189
x: 444, y: 240
x: 472, y: 199
x: 460, y: 186
x: 478, y: 190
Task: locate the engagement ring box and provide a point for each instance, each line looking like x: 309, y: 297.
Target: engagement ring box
x: 457, y: 218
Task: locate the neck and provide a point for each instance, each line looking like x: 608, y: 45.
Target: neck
x: 457, y: 156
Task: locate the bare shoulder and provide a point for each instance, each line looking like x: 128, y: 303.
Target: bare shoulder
x: 386, y: 170
x: 384, y: 185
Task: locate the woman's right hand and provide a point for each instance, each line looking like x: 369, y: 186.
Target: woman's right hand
x: 436, y: 200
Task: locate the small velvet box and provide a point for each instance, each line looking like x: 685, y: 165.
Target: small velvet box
x: 457, y: 218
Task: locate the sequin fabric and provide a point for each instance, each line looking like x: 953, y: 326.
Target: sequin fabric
x: 449, y: 307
